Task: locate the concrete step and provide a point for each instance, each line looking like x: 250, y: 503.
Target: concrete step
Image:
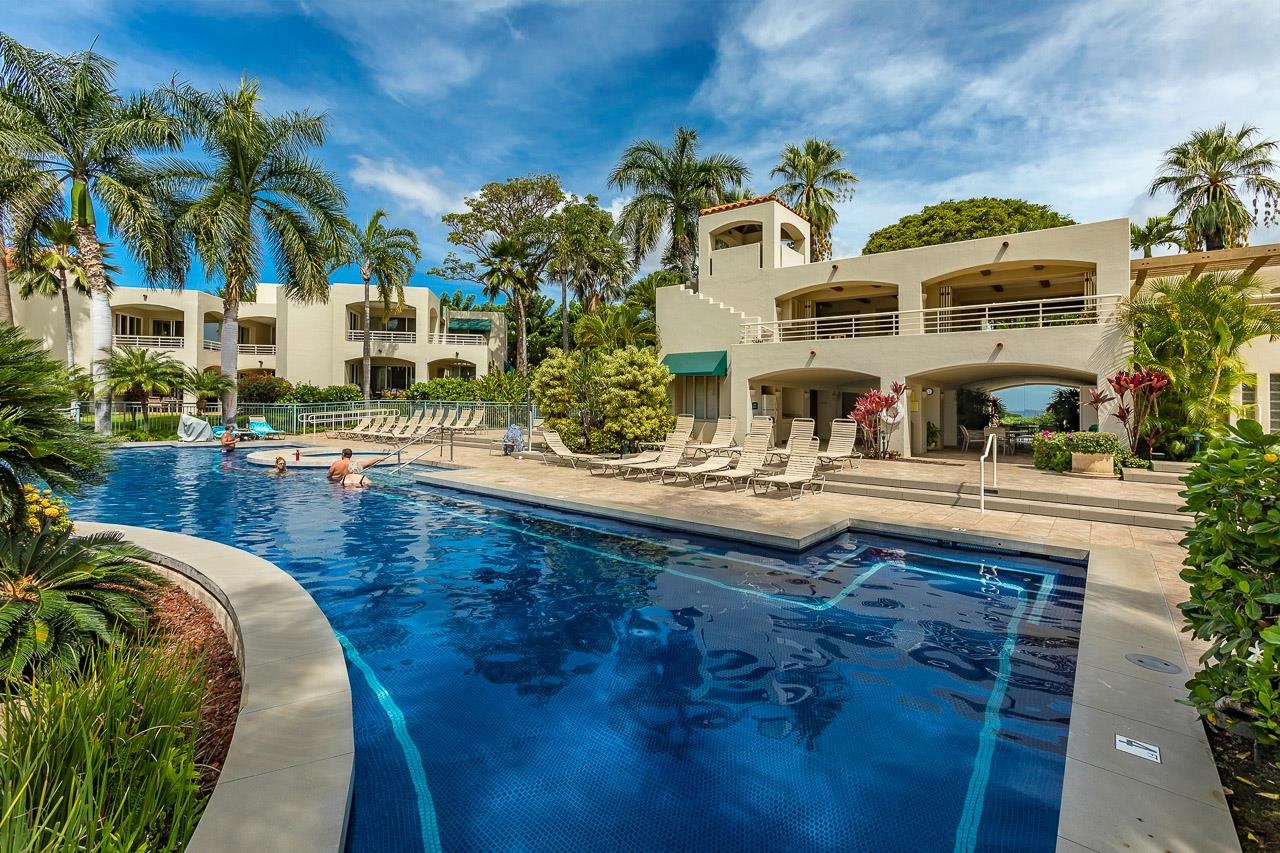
x: 1162, y: 466
x: 1139, y: 475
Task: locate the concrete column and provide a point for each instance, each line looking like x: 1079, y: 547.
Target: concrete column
x: 735, y: 399
x: 900, y: 438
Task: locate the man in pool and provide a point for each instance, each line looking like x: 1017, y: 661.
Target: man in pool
x: 342, y: 467
x: 228, y: 440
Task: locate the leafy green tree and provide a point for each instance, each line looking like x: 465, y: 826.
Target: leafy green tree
x: 26, y: 195
x: 61, y: 593
x: 953, y: 221
x: 386, y: 257
x: 1158, y: 231
x: 258, y: 192
x: 261, y: 388
x: 614, y: 327
x: 142, y: 371
x: 643, y: 292
x: 633, y: 396
x: 1207, y: 176
x: 587, y: 259
x: 507, y: 272
x: 458, y: 301
x: 671, y: 185
x: 63, y: 115
x: 1064, y: 409
x: 204, y: 385
x: 814, y: 180
x: 38, y: 442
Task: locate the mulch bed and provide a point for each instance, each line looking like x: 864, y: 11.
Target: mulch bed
x: 182, y: 622
x: 1252, y: 788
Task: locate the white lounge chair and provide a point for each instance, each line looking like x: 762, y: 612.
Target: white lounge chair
x: 721, y: 441
x: 559, y: 452
x: 750, y: 463
x: 671, y: 455
x: 801, y: 435
x: 801, y: 473
x: 375, y: 425
x: 762, y: 424
x: 360, y: 426
x: 472, y: 421
x: 615, y: 465
x: 752, y: 458
x: 842, y: 448
x: 684, y: 426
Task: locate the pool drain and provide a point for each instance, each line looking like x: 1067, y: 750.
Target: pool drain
x: 1153, y: 663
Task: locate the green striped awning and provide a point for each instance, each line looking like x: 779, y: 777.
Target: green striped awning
x: 469, y: 324
x: 710, y: 363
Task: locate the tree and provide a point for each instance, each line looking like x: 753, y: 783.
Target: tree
x: 613, y: 327
x: 386, y: 257
x: 458, y: 301
x: 1064, y: 408
x: 1194, y: 329
x: 204, y: 385
x: 62, y: 115
x: 643, y: 292
x: 38, y: 442
x: 1159, y: 231
x: 509, y: 233
x: 633, y: 396
x: 969, y: 219
x: 1207, y: 175
x: 26, y: 195
x: 813, y: 181
x: 144, y: 372
x: 587, y: 259
x: 671, y: 185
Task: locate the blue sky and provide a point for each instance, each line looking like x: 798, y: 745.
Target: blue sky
x: 1068, y: 104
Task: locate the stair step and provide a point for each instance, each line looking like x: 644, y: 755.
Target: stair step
x: 1162, y: 466
x: 1139, y: 475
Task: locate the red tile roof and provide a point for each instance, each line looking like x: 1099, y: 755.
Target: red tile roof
x: 734, y: 205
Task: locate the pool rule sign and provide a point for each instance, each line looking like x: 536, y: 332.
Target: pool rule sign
x: 1149, y: 751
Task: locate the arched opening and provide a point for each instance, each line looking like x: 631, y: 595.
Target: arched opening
x: 386, y: 374
x: 458, y: 368
x: 141, y: 324
x: 841, y: 309
x: 745, y: 233
x: 795, y: 251
x: 823, y: 394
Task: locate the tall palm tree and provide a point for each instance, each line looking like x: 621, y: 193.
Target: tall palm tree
x: 63, y: 115
x: 506, y: 273
x: 671, y: 185
x: 386, y: 258
x: 26, y: 195
x: 813, y: 181
x: 1159, y: 231
x: 257, y: 193
x: 1207, y: 175
x: 142, y: 371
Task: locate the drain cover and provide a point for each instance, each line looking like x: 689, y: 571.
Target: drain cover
x: 1153, y: 663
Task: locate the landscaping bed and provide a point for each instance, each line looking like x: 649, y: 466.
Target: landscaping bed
x: 1252, y: 788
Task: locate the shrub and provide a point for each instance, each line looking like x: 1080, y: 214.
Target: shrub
x: 307, y: 393
x: 1052, y: 451
x: 498, y: 387
x: 105, y: 761
x: 262, y: 388
x: 614, y: 401
x: 1233, y: 553
x: 444, y: 388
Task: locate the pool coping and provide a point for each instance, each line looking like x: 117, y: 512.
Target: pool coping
x: 1111, y: 800
x: 287, y: 779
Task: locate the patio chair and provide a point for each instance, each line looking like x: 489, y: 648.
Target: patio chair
x: 750, y: 463
x: 262, y: 429
x: 359, y: 432
x: 968, y: 439
x: 473, y: 421
x: 762, y: 424
x: 841, y: 446
x: 721, y: 441
x: 752, y: 451
x: 671, y: 456
x: 801, y: 473
x: 801, y: 434
x: 605, y: 465
x: 390, y: 429
x: 408, y: 428
x: 684, y: 426
x: 559, y: 452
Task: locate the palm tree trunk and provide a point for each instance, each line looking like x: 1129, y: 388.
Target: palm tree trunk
x: 564, y: 314
x: 6, y: 298
x: 99, y: 323
x: 146, y: 413
x: 522, y: 352
x: 230, y: 359
x: 367, y: 358
x: 66, y: 319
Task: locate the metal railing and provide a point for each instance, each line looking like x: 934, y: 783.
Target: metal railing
x: 383, y: 336
x: 997, y: 316
x: 990, y: 450
x: 148, y: 341
x: 242, y: 349
x: 452, y: 339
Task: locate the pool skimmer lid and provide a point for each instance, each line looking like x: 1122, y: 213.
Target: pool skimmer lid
x: 1153, y: 663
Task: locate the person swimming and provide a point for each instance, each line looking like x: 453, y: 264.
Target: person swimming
x: 355, y: 477
x: 280, y: 468
x: 228, y: 440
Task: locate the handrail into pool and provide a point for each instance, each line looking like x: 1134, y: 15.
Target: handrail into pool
x: 286, y: 782
x: 992, y: 451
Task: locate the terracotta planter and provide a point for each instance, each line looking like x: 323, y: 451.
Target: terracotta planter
x: 1103, y: 464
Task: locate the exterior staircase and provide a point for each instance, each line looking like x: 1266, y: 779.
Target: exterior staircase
x: 1168, y: 473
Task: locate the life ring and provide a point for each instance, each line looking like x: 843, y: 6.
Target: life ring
x: 894, y: 415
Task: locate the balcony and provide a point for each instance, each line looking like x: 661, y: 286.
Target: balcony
x: 999, y: 316
x: 148, y: 341
x: 242, y: 349
x: 380, y: 336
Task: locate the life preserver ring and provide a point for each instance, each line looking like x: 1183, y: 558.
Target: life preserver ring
x: 895, y: 414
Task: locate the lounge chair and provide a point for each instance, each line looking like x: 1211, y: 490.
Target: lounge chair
x: 800, y: 473
x: 613, y: 466
x: 360, y: 432
x: 559, y: 452
x: 752, y: 453
x: 750, y: 463
x: 263, y: 429
x: 390, y: 429
x: 472, y: 421
x: 670, y: 457
x: 801, y: 434
x: 721, y: 441
x: 409, y: 428
x: 684, y: 426
x: 841, y: 448
x: 762, y: 424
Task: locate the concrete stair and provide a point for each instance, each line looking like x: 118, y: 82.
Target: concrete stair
x: 738, y: 316
x: 1131, y: 511
x: 1138, y: 475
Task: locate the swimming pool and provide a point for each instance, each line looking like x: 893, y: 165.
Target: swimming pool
x: 528, y: 680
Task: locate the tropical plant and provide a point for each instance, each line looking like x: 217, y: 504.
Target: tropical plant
x: 671, y: 185
x: 1194, y: 330
x: 587, y: 259
x: 257, y: 192
x: 976, y: 408
x: 643, y: 292
x: 508, y: 272
x: 385, y: 257
x: 502, y: 387
x: 953, y: 221
x: 38, y: 442
x: 878, y: 415
x: 614, y: 327
x: 62, y: 115
x: 634, y: 401
x: 262, y: 388
x: 1159, y: 231
x: 1137, y: 395
x: 446, y: 388
x: 1052, y: 451
x: 60, y: 593
x: 458, y: 301
x: 1064, y: 409
x: 26, y: 195
x: 814, y: 180
x: 1233, y: 553
x: 105, y: 759
x: 204, y: 385
x: 1210, y: 176
x: 144, y: 372
x: 305, y: 392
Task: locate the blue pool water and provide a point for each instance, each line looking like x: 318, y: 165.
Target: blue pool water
x: 526, y: 680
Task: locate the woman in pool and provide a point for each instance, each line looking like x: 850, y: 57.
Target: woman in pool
x: 355, y: 477
x: 280, y: 468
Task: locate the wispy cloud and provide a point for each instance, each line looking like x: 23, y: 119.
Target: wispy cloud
x: 416, y: 189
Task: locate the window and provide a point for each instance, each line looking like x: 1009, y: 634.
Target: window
x: 167, y: 328
x: 243, y: 334
x: 701, y: 397
x: 128, y: 325
x: 1249, y: 397
x: 1275, y: 402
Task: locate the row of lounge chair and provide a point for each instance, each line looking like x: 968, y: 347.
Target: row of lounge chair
x: 393, y: 427
x: 257, y: 428
x: 754, y: 463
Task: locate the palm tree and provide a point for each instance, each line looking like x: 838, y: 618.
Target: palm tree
x: 25, y: 195
x: 38, y: 442
x: 142, y: 371
x: 671, y: 185
x: 386, y: 257
x: 1159, y: 231
x: 615, y: 327
x: 204, y: 385
x: 1207, y: 175
x: 506, y: 273
x: 257, y: 193
x: 813, y: 181
x: 62, y: 115
x: 587, y: 259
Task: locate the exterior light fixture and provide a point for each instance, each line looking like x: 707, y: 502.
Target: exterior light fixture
x: 928, y: 392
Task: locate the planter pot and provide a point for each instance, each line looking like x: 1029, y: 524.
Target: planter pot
x: 1097, y: 464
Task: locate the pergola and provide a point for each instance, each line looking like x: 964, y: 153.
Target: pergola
x: 1250, y: 259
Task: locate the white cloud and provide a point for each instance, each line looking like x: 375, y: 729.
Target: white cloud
x: 415, y: 189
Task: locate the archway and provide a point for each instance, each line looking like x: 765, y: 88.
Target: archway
x: 823, y: 394
x: 443, y: 368
x: 386, y: 374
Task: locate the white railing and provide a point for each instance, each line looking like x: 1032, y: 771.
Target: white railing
x: 999, y: 316
x: 242, y: 349
x: 990, y: 450
x: 148, y: 341
x: 455, y: 339
x: 382, y: 336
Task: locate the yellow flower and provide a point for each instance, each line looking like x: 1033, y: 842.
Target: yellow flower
x: 1270, y: 457
x: 51, y: 511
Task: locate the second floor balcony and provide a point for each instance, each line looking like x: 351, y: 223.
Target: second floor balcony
x: 149, y: 341
x: 383, y: 336
x: 242, y: 349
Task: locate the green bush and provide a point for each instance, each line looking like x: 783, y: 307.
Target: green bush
x: 444, y: 388
x: 261, y: 388
x: 614, y: 401
x: 307, y: 393
x: 103, y: 761
x: 1233, y: 557
x: 1052, y: 451
x: 508, y: 387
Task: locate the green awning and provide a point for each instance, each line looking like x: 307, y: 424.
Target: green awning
x: 711, y: 363
x: 469, y: 324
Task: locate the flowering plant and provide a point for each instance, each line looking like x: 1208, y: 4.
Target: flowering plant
x: 1139, y: 392
x: 45, y: 512
x: 875, y: 410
